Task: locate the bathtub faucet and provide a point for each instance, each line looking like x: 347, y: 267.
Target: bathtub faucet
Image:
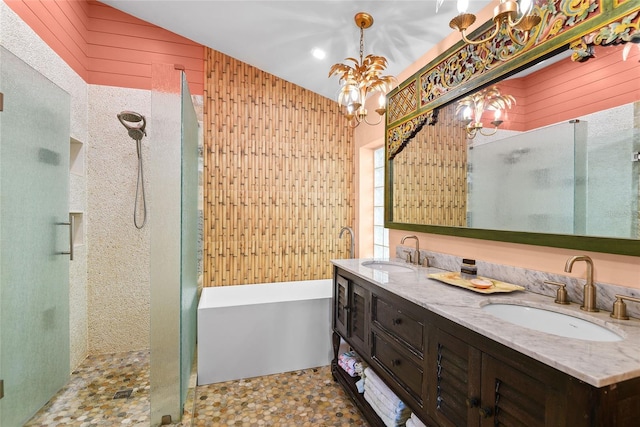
x: 352, y: 248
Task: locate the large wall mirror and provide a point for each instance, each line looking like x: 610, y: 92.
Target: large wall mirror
x: 559, y: 167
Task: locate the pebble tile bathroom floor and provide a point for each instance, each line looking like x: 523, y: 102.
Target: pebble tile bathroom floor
x: 308, y: 397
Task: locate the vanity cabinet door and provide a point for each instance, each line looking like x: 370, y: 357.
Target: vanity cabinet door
x: 358, y: 322
x: 453, y: 380
x: 341, y: 305
x: 511, y: 397
x: 350, y: 312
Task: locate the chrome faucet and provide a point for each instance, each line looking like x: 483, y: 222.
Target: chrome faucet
x: 589, y: 293
x: 416, y: 259
x: 352, y: 248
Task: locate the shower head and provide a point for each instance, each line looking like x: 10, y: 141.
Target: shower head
x: 134, y: 123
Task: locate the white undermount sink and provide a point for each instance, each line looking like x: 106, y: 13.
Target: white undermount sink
x: 389, y: 267
x: 551, y: 322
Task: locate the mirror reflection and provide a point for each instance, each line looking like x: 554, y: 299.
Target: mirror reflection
x: 561, y: 155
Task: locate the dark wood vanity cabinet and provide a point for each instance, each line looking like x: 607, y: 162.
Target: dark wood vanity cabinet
x: 452, y: 376
x: 473, y: 388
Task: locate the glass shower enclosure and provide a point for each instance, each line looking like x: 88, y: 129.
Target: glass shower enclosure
x: 34, y: 240
x: 174, y: 240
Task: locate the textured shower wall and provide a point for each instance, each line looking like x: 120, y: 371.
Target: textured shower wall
x: 118, y: 267
x: 21, y: 40
x: 117, y: 299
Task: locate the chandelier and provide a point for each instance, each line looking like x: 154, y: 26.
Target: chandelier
x: 362, y: 79
x: 472, y: 107
x: 512, y: 15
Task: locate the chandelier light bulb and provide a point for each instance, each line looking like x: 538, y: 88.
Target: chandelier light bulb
x: 497, y: 114
x: 463, y: 5
x: 354, y: 95
x: 525, y: 6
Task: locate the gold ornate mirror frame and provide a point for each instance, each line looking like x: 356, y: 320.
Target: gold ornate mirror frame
x: 465, y: 68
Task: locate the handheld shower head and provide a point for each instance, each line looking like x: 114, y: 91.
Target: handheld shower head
x: 135, y: 124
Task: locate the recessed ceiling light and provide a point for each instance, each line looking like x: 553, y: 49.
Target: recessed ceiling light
x: 318, y: 53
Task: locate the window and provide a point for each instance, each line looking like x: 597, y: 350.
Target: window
x: 380, y: 234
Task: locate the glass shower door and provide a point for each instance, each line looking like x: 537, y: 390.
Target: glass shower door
x: 34, y: 207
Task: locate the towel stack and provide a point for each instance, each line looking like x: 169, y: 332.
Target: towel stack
x: 415, y: 422
x: 350, y: 362
x: 391, y: 410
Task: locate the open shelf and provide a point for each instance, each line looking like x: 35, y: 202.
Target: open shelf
x: 348, y: 383
x: 78, y: 227
x: 76, y: 157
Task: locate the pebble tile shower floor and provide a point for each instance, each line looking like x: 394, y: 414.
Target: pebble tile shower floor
x: 307, y: 397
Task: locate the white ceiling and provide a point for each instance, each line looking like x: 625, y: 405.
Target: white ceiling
x: 278, y: 36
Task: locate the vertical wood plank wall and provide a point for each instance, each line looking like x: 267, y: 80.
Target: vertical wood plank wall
x: 278, y: 177
x: 430, y: 175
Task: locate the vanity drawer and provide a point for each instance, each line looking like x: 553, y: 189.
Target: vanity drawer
x: 400, y: 364
x: 399, y: 324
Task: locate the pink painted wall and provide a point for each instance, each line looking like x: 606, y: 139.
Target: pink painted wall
x: 614, y: 269
x: 108, y: 47
x: 568, y: 89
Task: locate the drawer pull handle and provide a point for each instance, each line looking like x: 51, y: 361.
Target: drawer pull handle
x: 396, y: 321
x: 486, y: 412
x: 395, y: 362
x: 472, y: 402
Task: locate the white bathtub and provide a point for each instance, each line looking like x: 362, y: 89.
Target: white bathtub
x: 252, y: 330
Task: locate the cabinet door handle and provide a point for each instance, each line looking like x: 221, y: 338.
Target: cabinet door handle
x: 396, y: 321
x: 472, y: 402
x: 395, y: 362
x: 486, y: 412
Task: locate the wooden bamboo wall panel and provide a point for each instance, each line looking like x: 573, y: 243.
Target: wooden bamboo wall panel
x: 430, y: 175
x: 278, y: 177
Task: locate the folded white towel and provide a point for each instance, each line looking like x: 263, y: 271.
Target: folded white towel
x: 385, y: 404
x: 389, y: 420
x: 416, y: 421
x: 410, y: 423
x: 392, y: 400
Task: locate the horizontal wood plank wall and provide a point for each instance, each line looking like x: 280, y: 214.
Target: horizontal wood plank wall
x: 278, y: 177
x: 108, y: 47
x: 568, y: 90
x: 430, y: 175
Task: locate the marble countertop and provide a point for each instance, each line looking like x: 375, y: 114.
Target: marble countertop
x: 596, y: 363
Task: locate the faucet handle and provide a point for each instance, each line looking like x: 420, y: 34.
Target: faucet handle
x: 426, y: 261
x: 620, y: 308
x: 408, y: 256
x: 561, y: 294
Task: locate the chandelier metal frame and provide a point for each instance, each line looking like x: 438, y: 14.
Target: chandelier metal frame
x: 363, y: 78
